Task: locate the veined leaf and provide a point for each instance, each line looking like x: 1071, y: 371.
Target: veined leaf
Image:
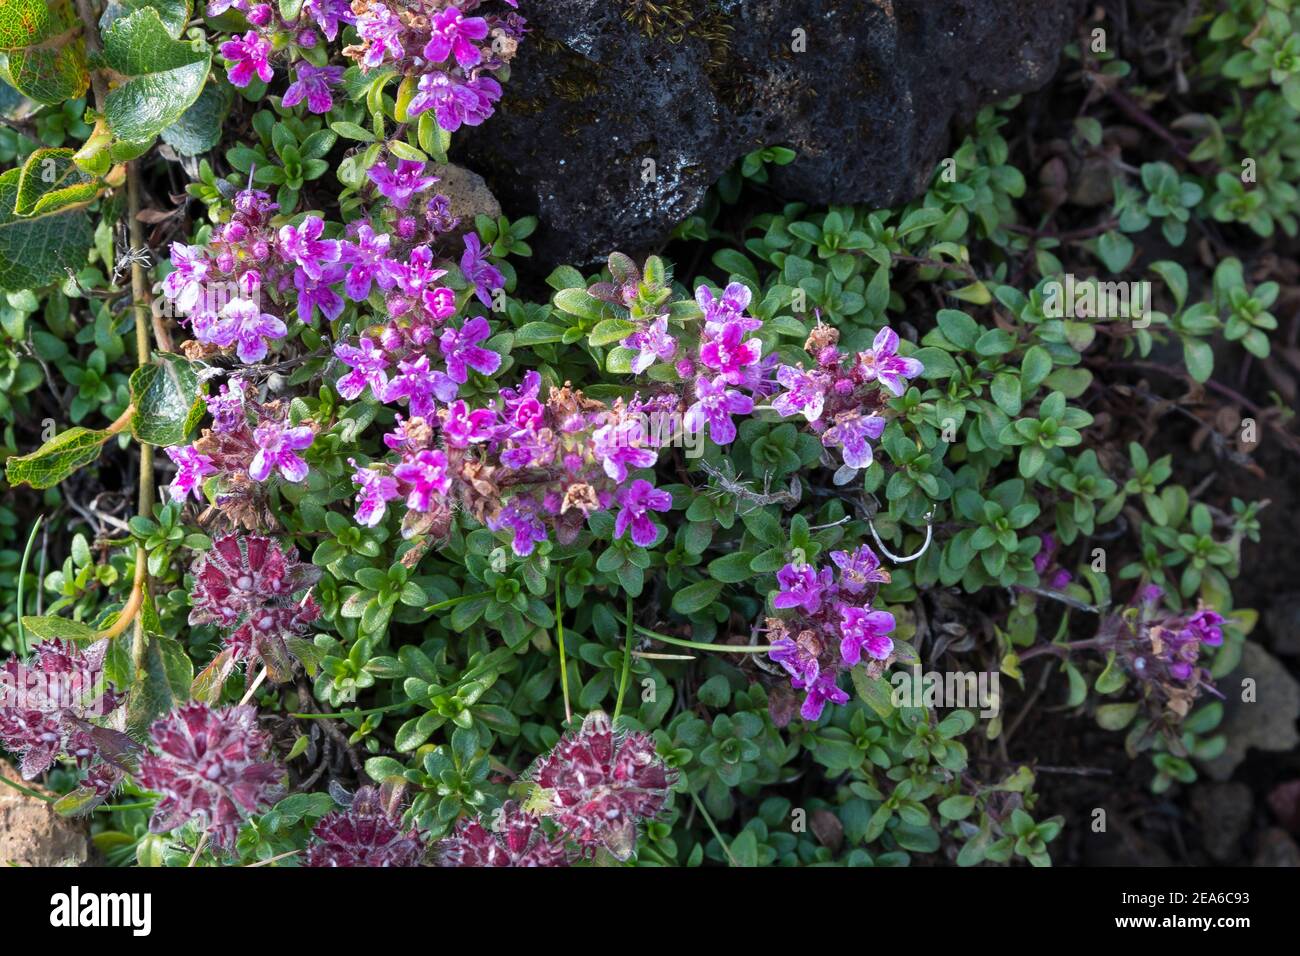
x: 37, y: 249
x: 50, y: 182
x: 57, y: 458
x: 164, y: 76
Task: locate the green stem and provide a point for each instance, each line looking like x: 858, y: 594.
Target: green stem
x: 28, y: 791
x: 22, y: 575
x: 696, y: 645
x: 559, y: 636
x: 699, y: 805
x: 452, y: 602
x: 627, y: 661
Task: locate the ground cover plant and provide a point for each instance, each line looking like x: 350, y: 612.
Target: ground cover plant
x: 339, y: 532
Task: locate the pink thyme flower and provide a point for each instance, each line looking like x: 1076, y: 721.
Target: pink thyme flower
x: 637, y: 500
x: 598, y: 785
x: 518, y: 841
x: 191, y: 468
x: 462, y: 351
x: 462, y: 427
x: 882, y: 363
x: 453, y: 34
x: 802, y: 586
x: 249, y: 329
x: 48, y: 701
x: 620, y: 445
x: 313, y: 83
x: 419, y: 385
x: 303, y: 245
x: 864, y: 629
x: 652, y: 343
x: 377, y: 489
x: 184, y: 284
x: 367, y: 257
x: 859, y: 569
x: 247, y: 56
x: 212, y: 766
x: 381, y: 31
x: 277, y: 449
x: 484, y: 276
x: 426, y: 477
x: 368, y: 833
x: 400, y: 184
x: 728, y: 353
x: 456, y: 102
x: 851, y: 434
x: 715, y: 403
x: 368, y: 363
x: 246, y: 585
x: 805, y: 393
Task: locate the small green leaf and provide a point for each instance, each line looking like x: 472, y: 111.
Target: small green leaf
x: 167, y: 400
x: 57, y: 458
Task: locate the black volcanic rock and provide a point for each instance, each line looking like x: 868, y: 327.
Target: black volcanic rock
x: 600, y: 87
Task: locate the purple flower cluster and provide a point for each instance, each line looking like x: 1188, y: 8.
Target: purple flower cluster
x: 237, y: 291
x: 515, y: 839
x: 841, y: 396
x: 46, y: 707
x: 248, y: 444
x: 832, y: 626
x: 245, y: 585
x: 453, y: 55
x: 367, y: 833
x: 212, y: 766
x: 1165, y: 648
x: 249, y: 56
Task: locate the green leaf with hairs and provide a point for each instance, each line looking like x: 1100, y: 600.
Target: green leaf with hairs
x: 35, y: 250
x: 163, y: 76
x: 57, y: 458
x: 167, y: 399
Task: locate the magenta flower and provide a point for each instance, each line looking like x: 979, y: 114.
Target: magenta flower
x: 382, y: 30
x: 727, y: 353
x: 1206, y: 626
x: 462, y: 351
x: 474, y: 264
x: 191, y: 468
x: 598, y: 785
x: 801, y: 586
x: 730, y: 307
x: 368, y: 833
x: 47, y: 702
x: 227, y: 407
x: 249, y: 329
x: 427, y: 478
x: 637, y: 500
x: 462, y: 427
x: 417, y: 273
x: 805, y: 393
x: 303, y: 245
x: 820, y: 691
x: 517, y: 840
x: 528, y: 530
x: 419, y: 385
x: 859, y: 569
x: 652, y: 343
x: 851, y: 434
x: 246, y: 56
x: 247, y: 586
x: 212, y: 766
x: 317, y: 294
x: 368, y: 362
x: 454, y: 101
x: 377, y: 489
x: 329, y: 15
x: 882, y: 363
x: 400, y: 184
x: 184, y: 284
x: 863, y: 629
x: 619, y: 446
x: 715, y: 403
x: 277, y: 449
x: 313, y: 83
x: 368, y: 258
x: 453, y: 34
x: 799, y: 658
